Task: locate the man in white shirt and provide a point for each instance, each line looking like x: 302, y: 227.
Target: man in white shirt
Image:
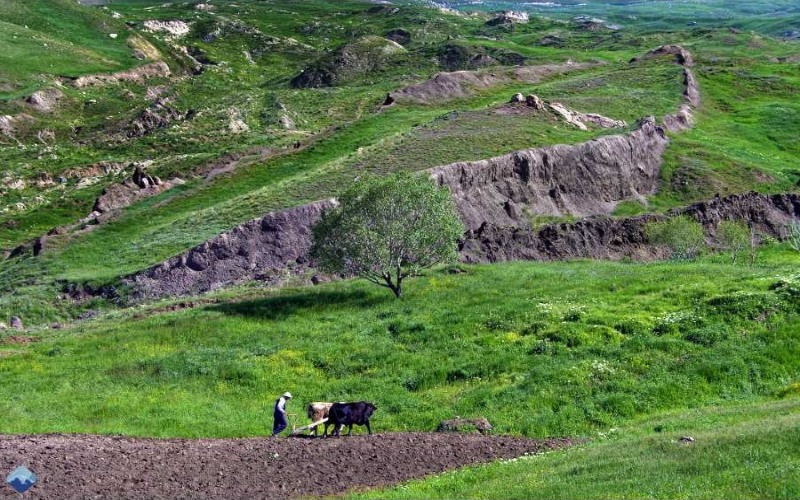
x: 280, y: 413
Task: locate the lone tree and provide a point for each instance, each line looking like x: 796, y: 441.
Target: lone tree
x: 387, y: 229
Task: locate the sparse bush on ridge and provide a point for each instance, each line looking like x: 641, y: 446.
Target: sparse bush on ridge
x: 682, y: 235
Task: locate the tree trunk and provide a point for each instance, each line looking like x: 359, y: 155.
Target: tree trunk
x: 395, y: 288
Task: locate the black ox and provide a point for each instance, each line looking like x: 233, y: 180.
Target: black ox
x: 349, y: 414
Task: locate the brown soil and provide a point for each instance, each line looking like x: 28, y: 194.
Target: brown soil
x: 77, y: 466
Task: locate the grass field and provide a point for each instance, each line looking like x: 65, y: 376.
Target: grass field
x: 542, y: 349
x: 739, y: 451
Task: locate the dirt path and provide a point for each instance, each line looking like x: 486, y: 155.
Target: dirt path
x: 78, y: 466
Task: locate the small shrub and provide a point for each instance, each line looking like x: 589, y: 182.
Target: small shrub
x: 543, y: 347
x: 734, y: 237
x: 682, y: 235
x: 793, y: 235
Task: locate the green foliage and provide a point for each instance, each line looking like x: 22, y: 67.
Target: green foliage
x: 793, y: 235
x: 682, y: 235
x: 736, y: 238
x: 387, y: 229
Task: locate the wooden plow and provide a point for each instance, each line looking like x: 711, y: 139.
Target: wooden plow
x: 296, y: 431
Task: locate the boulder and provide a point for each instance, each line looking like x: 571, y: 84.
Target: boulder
x: 518, y: 97
x: 16, y: 323
x: 534, y: 102
x: 46, y: 100
x: 459, y: 424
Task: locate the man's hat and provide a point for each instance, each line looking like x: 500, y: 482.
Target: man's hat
x: 287, y: 395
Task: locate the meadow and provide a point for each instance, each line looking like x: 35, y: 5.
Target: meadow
x: 630, y: 356
x: 542, y: 349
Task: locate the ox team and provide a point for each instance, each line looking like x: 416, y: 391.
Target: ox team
x: 336, y: 414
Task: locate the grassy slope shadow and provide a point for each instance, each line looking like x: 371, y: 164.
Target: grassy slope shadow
x: 283, y: 306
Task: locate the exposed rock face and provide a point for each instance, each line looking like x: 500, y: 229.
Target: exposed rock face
x: 10, y: 126
x: 138, y: 75
x: 535, y: 102
x: 568, y: 115
x: 269, y: 248
x: 582, y: 179
x: 682, y: 56
x: 607, y: 238
x: 508, y: 17
x: 236, y: 123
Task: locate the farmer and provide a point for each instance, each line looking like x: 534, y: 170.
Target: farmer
x: 280, y: 413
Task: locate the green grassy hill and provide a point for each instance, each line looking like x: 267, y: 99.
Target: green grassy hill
x: 59, y: 38
x: 576, y: 349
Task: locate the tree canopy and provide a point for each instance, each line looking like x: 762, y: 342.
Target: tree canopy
x: 388, y: 228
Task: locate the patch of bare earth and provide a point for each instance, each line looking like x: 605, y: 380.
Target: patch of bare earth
x: 82, y: 466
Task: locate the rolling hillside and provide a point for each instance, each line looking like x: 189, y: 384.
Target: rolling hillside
x: 161, y: 164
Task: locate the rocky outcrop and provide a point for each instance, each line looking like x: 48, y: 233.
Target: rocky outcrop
x: 175, y: 28
x: 508, y: 17
x: 682, y: 56
x: 45, y: 101
x: 158, y: 115
x: 683, y: 118
x: 12, y: 126
x: 138, y: 75
x: 580, y: 180
x: 605, y: 237
x: 271, y: 248
x: 139, y: 185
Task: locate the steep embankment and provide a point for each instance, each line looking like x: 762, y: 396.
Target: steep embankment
x: 603, y: 237
x: 495, y: 198
x: 581, y: 180
x: 272, y: 248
